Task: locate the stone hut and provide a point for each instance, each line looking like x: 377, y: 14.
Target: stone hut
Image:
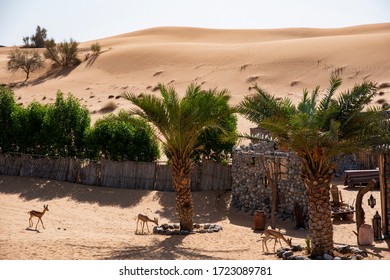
x: 251, y: 188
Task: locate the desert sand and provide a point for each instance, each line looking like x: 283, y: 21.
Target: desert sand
x: 282, y: 61
x: 94, y: 223
x: 86, y: 222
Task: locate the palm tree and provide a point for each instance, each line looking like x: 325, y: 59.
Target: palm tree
x: 180, y: 122
x: 318, y: 131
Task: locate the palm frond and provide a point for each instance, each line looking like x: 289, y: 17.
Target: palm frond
x: 152, y: 109
x: 181, y: 120
x: 334, y: 84
x: 279, y: 129
x: 262, y: 105
x: 308, y: 105
x: 353, y: 101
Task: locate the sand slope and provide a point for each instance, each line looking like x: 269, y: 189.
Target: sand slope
x: 282, y: 61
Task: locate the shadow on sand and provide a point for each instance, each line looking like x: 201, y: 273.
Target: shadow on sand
x: 33, y: 229
x: 53, y: 73
x: 167, y: 249
x: 32, y: 188
x: 209, y: 207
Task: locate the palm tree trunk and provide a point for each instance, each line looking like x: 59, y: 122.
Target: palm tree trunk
x: 320, y: 215
x: 181, y: 174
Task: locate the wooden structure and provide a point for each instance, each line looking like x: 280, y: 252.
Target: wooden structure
x: 384, y: 171
x: 360, y: 177
x: 340, y: 210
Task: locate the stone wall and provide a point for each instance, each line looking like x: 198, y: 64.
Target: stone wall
x: 250, y: 186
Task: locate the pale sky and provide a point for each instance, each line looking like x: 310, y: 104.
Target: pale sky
x: 85, y: 20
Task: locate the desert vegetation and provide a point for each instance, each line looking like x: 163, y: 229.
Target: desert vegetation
x: 28, y: 61
x: 37, y: 40
x: 96, y: 48
x: 63, y: 128
x: 63, y: 54
x: 93, y: 53
x: 122, y: 137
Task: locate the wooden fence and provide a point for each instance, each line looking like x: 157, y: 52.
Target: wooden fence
x: 206, y: 176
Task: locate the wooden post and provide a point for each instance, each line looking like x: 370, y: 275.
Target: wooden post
x: 272, y: 170
x: 300, y: 221
x: 384, y: 194
x: 335, y: 196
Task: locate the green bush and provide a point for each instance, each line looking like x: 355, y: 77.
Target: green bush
x: 65, y: 125
x: 28, y: 129
x: 122, y: 137
x: 8, y: 107
x: 214, y: 145
x: 63, y: 129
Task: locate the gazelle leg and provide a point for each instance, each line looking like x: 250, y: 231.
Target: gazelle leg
x: 136, y: 229
x: 30, y: 222
x: 147, y: 227
x: 275, y: 243
x: 265, y: 243
x: 42, y: 222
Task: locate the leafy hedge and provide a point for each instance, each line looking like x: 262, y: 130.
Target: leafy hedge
x: 64, y: 129
x: 123, y: 137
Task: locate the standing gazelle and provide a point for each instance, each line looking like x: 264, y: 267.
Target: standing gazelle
x: 145, y: 219
x: 37, y: 214
x: 277, y: 235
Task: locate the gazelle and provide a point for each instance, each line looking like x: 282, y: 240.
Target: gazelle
x: 37, y: 214
x: 145, y: 219
x: 277, y: 235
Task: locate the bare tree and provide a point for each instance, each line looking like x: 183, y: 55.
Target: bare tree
x: 28, y: 61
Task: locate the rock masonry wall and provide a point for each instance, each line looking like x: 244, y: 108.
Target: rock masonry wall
x: 251, y: 189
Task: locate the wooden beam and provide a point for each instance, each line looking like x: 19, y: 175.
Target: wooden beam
x: 383, y: 194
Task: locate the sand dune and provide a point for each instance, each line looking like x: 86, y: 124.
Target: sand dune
x: 282, y: 61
